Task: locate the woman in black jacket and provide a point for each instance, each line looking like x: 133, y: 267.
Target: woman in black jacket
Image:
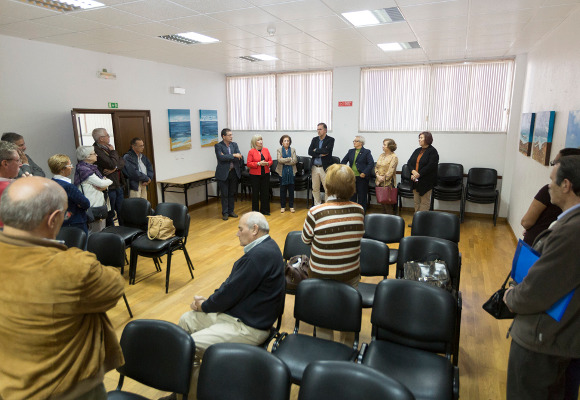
x: 423, y: 165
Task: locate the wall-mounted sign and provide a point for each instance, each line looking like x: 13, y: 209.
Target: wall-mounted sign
x: 113, y: 105
x: 345, y: 103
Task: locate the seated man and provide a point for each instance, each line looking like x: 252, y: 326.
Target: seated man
x: 56, y: 339
x: 29, y: 167
x: 246, y: 305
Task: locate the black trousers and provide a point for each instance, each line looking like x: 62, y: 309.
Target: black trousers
x: 228, y: 189
x: 287, y: 189
x: 533, y: 375
x: 261, y: 193
x: 362, y: 192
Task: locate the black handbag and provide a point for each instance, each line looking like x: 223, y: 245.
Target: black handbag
x: 96, y: 213
x: 496, y: 307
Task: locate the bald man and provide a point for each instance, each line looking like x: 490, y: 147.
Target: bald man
x: 56, y: 340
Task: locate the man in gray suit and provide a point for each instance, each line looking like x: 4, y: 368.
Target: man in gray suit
x: 228, y: 171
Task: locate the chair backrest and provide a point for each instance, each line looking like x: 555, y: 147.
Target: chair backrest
x: 294, y: 246
x: 306, y: 163
x: 342, y: 380
x: 405, y: 173
x: 328, y: 304
x: 449, y: 174
x: 158, y: 354
x: 72, y: 237
x: 374, y: 258
x: 179, y: 214
x: 134, y: 212
x: 335, y: 160
x: 437, y: 224
x: 415, y: 315
x: 244, y: 372
x: 384, y: 228
x: 108, y: 247
x: 273, y: 169
x: 428, y: 248
x: 482, y: 177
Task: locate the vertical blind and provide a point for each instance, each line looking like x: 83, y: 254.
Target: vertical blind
x: 465, y: 97
x: 291, y: 101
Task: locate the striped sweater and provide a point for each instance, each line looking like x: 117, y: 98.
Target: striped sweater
x: 334, y: 230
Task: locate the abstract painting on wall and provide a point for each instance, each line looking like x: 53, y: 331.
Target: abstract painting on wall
x: 179, y: 130
x: 573, y: 131
x: 543, y: 131
x: 526, y: 133
x: 208, y: 127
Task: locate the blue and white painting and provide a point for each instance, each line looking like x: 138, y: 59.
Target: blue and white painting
x: 573, y: 131
x: 526, y: 133
x: 208, y: 127
x: 179, y: 129
x: 543, y: 131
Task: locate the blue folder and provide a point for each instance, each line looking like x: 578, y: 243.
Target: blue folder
x: 524, y: 258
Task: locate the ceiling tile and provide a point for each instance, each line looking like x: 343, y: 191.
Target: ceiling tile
x: 303, y: 9
x: 439, y: 24
x: 31, y: 30
x: 342, y: 6
x: 156, y: 10
x: 70, y: 22
x: 198, y: 23
x: 210, y: 6
x: 23, y: 11
x: 151, y: 29
x: 110, y: 16
x: 246, y: 16
x: 496, y: 6
x: 435, y: 10
x: 320, y: 24
x: 280, y: 28
x: 336, y: 34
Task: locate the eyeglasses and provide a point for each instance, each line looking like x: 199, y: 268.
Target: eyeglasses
x: 18, y: 160
x: 69, y: 166
x: 355, y: 141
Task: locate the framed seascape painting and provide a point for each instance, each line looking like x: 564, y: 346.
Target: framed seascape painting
x: 179, y: 130
x: 543, y: 131
x: 573, y: 131
x: 526, y: 133
x: 208, y: 127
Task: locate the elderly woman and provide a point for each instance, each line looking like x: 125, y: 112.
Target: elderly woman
x: 259, y: 163
x: 91, y: 182
x: 334, y: 230
x: 362, y: 163
x: 76, y: 213
x: 423, y: 165
x: 286, y: 168
x: 386, y: 170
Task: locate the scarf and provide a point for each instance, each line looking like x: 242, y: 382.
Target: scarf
x: 84, y: 170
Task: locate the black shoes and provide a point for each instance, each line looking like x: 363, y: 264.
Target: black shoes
x: 225, y: 217
x: 234, y: 215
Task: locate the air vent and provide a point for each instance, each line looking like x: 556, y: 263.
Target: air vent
x: 249, y: 58
x: 65, y: 5
x: 394, y: 14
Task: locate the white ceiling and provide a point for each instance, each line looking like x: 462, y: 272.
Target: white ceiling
x: 310, y: 34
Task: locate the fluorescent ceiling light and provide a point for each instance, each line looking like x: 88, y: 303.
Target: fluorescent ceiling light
x: 398, y: 46
x: 189, y: 38
x: 264, y: 57
x: 65, y: 5
x: 374, y: 17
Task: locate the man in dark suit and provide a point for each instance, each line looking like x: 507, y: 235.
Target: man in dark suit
x: 362, y: 163
x: 227, y: 172
x: 321, y: 152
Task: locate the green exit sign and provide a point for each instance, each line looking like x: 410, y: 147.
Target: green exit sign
x: 113, y: 105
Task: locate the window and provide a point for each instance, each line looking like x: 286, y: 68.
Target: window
x: 464, y: 97
x: 291, y: 101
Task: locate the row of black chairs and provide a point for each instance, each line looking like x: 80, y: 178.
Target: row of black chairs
x: 481, y: 187
x: 408, y: 356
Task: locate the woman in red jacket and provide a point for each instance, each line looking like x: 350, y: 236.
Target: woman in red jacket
x: 259, y: 162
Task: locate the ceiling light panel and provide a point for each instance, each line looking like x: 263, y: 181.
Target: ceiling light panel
x: 65, y: 5
x: 189, y: 38
x: 374, y: 17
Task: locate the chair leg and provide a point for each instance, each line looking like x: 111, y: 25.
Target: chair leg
x: 127, y: 304
x: 432, y: 201
x: 495, y: 210
x: 189, y: 263
x: 168, y: 272
x: 156, y: 261
x: 132, y: 266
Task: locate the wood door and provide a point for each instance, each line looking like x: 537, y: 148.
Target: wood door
x: 127, y: 124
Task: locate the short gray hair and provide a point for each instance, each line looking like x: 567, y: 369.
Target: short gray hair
x: 98, y: 132
x: 7, y: 150
x: 83, y: 152
x: 360, y: 139
x: 256, y: 218
x: 27, y: 214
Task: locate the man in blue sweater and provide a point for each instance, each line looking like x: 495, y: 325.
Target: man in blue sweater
x: 247, y: 304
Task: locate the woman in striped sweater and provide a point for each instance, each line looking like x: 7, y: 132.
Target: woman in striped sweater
x: 334, y: 230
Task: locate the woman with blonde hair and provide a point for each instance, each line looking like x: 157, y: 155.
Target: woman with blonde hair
x: 386, y: 170
x: 76, y: 213
x: 334, y: 231
x: 259, y: 163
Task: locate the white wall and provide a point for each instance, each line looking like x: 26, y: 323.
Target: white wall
x: 553, y: 72
x: 40, y: 83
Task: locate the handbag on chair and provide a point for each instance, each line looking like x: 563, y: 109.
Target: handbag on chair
x: 160, y: 227
x: 386, y: 194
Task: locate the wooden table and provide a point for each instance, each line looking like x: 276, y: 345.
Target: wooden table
x: 185, y: 182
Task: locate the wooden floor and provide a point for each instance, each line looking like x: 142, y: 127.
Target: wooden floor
x: 213, y: 247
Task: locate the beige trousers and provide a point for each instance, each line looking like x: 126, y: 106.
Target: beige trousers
x: 422, y: 203
x: 141, y: 192
x: 318, y: 176
x: 212, y: 328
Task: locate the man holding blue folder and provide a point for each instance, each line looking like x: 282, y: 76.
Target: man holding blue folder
x: 542, y: 348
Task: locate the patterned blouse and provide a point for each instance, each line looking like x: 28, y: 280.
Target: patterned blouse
x: 387, y: 166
